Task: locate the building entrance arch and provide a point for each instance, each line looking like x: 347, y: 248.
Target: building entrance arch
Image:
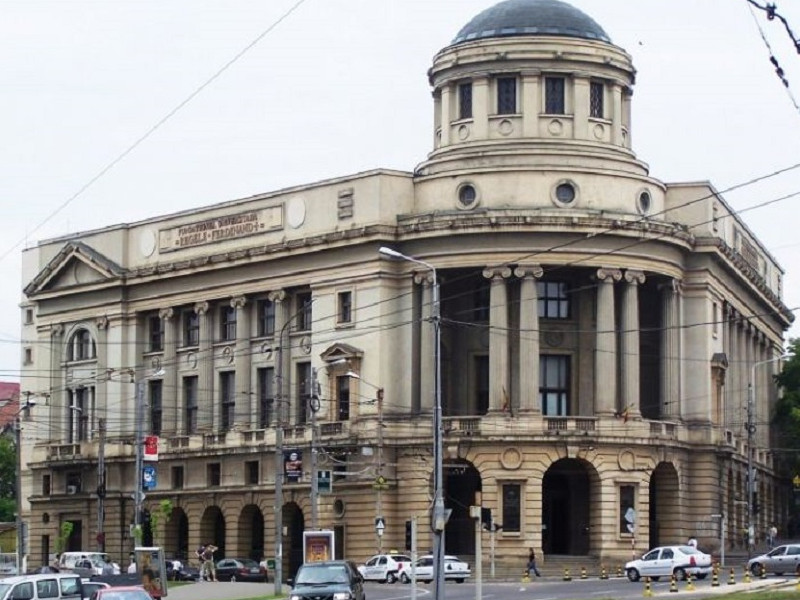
x: 176, y: 534
x: 569, y: 514
x: 665, y: 508
x: 251, y: 533
x: 212, y: 530
x: 462, y: 481
x: 294, y: 524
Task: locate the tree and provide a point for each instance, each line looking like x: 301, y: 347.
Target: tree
x: 786, y: 419
x: 8, y: 479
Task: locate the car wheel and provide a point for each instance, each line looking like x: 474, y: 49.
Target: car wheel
x: 405, y: 578
x: 633, y: 575
x: 757, y: 569
x: 391, y: 577
x: 680, y: 574
x: 460, y: 580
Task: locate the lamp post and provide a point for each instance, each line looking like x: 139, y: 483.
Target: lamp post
x: 18, y: 517
x: 751, y: 430
x: 438, y: 520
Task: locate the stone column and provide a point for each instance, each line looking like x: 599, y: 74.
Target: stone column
x: 630, y: 342
x: 171, y: 396
x: 616, y: 115
x: 580, y: 95
x: 427, y: 393
x: 531, y: 105
x: 58, y: 385
x: 245, y: 414
x: 481, y: 103
x: 447, y: 99
x: 529, y: 338
x: 499, y: 390
x: 605, y: 358
x: 207, y: 416
x: 280, y: 356
x: 670, y: 346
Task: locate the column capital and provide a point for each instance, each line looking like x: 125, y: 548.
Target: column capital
x: 166, y: 314
x: 277, y: 296
x: 423, y: 277
x: 102, y: 323
x: 201, y: 308
x: 608, y: 275
x: 238, y: 302
x: 531, y: 270
x: 634, y: 276
x: 497, y: 272
x: 57, y: 330
x: 673, y: 285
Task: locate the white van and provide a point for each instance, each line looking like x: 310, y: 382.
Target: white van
x: 87, y: 563
x: 48, y: 586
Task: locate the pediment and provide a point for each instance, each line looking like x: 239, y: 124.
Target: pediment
x: 340, y: 350
x: 74, y: 266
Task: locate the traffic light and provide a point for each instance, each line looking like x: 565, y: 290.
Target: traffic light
x: 408, y: 535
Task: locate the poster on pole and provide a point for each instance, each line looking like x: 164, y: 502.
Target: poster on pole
x: 151, y: 568
x: 318, y: 546
x: 151, y: 448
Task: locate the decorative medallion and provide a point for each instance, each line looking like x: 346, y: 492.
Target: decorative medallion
x: 227, y: 354
x: 505, y: 127
x: 339, y: 508
x: 511, y: 458
x: 155, y: 363
x: 147, y: 242
x: 555, y: 127
x: 626, y: 460
x: 554, y: 339
x: 599, y: 131
x: 296, y: 212
x: 463, y: 132
x: 191, y: 360
x: 305, y: 344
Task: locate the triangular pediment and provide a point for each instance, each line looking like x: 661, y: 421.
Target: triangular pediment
x: 76, y: 265
x: 340, y: 350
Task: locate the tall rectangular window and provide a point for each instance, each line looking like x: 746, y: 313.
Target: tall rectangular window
x: 227, y: 322
x: 155, y: 327
x: 45, y: 485
x: 227, y: 400
x: 506, y: 95
x: 482, y: 384
x: 266, y: 396
x: 553, y: 298
x: 596, y: 100
x: 190, y: 402
x: 343, y: 398
x: 213, y: 474
x: 512, y: 507
x: 79, y: 414
x: 156, y: 406
x: 627, y: 509
x: 303, y: 391
x: 191, y: 328
x: 177, y: 478
x: 251, y: 472
x: 554, y: 96
x: 465, y: 100
x: 345, y: 308
x: 266, y: 318
x: 554, y: 384
x: 304, y: 311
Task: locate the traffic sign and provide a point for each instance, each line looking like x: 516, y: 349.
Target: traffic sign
x: 380, y: 525
x: 324, y: 482
x: 380, y: 483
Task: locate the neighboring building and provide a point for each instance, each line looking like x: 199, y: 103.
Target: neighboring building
x: 599, y: 329
x: 9, y: 405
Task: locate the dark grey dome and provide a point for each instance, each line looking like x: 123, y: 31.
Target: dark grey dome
x: 531, y: 17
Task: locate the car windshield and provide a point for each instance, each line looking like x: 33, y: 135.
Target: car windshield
x: 778, y: 551
x: 4, y: 587
x: 126, y: 595
x: 318, y: 574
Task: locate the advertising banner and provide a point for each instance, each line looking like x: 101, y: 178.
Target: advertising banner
x: 151, y: 448
x: 149, y: 477
x: 318, y: 546
x: 293, y: 465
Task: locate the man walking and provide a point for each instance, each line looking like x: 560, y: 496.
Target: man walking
x: 532, y: 563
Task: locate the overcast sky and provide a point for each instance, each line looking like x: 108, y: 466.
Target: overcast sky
x: 337, y: 87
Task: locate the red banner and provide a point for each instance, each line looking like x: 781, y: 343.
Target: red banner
x: 151, y: 447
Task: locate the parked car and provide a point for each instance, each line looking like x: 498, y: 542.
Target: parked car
x: 90, y: 587
x: 666, y: 561
x: 780, y: 560
x: 384, y: 567
x: 121, y: 593
x: 240, y: 569
x: 53, y: 586
x: 455, y: 569
x: 337, y: 579
x: 183, y: 572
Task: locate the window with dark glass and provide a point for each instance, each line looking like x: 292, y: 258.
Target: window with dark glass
x: 339, y: 466
x: 82, y: 347
x: 627, y: 509
x: 227, y: 391
x: 345, y: 307
x: 554, y: 384
x: 482, y: 384
x: 45, y: 485
x: 155, y: 327
x: 74, y: 482
x: 177, y: 478
x: 213, y: 474
x: 480, y: 304
x: 227, y: 322
x: 554, y: 96
x: 506, y: 95
x: 304, y: 311
x: 251, y: 472
x: 79, y: 413
x: 266, y: 318
x: 596, y: 99
x: 156, y: 406
x: 191, y: 328
x: 343, y: 398
x: 465, y: 101
x: 266, y: 396
x: 553, y: 299
x: 190, y: 402
x: 512, y: 507
x: 303, y: 391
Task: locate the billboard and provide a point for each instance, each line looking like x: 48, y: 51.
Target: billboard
x: 318, y: 546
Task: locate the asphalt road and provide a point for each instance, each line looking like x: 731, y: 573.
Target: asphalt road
x: 544, y: 589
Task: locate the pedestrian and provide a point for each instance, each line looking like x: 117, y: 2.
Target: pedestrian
x: 772, y: 536
x: 208, y: 570
x: 692, y: 541
x: 132, y: 566
x: 532, y: 563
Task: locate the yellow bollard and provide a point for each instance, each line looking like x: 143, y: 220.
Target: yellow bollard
x: 673, y: 584
x: 526, y: 577
x: 619, y: 571
x: 583, y: 572
x: 747, y: 576
x: 648, y: 591
x: 689, y: 582
x: 714, y: 577
x: 567, y: 576
x: 603, y: 574
x: 732, y: 578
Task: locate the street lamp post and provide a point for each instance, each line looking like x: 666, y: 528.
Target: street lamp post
x: 438, y: 520
x: 18, y: 517
x: 751, y: 430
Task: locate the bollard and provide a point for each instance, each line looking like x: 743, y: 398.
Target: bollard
x: 603, y: 574
x: 747, y: 575
x: 648, y: 591
x: 689, y: 583
x: 567, y: 575
x: 763, y: 573
x: 714, y: 577
x: 732, y: 578
x: 526, y: 577
x: 619, y: 571
x: 673, y: 584
x: 797, y: 587
x: 583, y: 572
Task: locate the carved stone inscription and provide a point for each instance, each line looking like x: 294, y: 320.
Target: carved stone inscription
x: 220, y: 229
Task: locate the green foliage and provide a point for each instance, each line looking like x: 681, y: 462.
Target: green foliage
x: 162, y: 513
x: 786, y: 418
x: 8, y: 506
x: 8, y: 468
x: 63, y: 535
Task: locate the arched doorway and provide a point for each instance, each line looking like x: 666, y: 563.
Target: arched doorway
x: 294, y: 524
x: 665, y: 507
x: 461, y: 483
x: 177, y: 535
x: 212, y: 530
x: 251, y: 533
x: 568, y: 487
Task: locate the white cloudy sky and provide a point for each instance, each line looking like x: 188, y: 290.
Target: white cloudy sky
x: 338, y: 87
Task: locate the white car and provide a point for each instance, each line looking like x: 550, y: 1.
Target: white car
x: 455, y: 569
x: 665, y: 561
x: 383, y: 567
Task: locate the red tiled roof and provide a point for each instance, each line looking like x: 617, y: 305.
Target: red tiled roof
x: 9, y: 402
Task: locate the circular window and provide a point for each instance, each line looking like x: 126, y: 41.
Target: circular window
x: 467, y: 196
x: 338, y: 508
x: 565, y: 193
x: 644, y: 202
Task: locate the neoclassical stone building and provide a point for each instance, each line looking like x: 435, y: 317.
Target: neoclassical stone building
x: 599, y: 331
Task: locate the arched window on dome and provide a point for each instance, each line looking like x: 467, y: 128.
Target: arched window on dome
x: 82, y: 346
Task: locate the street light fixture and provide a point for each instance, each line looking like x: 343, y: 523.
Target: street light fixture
x: 751, y: 430
x: 438, y: 520
x: 18, y: 517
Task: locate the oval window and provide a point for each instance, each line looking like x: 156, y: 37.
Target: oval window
x: 645, y: 202
x: 565, y: 193
x: 467, y: 195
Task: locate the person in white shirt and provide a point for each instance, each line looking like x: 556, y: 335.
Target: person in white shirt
x: 132, y: 567
x: 692, y: 542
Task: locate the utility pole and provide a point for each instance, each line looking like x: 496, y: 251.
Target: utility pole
x: 138, y: 495
x: 18, y: 516
x: 101, y: 485
x: 379, y: 500
x: 314, y: 405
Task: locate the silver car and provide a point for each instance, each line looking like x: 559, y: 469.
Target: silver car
x: 780, y: 560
